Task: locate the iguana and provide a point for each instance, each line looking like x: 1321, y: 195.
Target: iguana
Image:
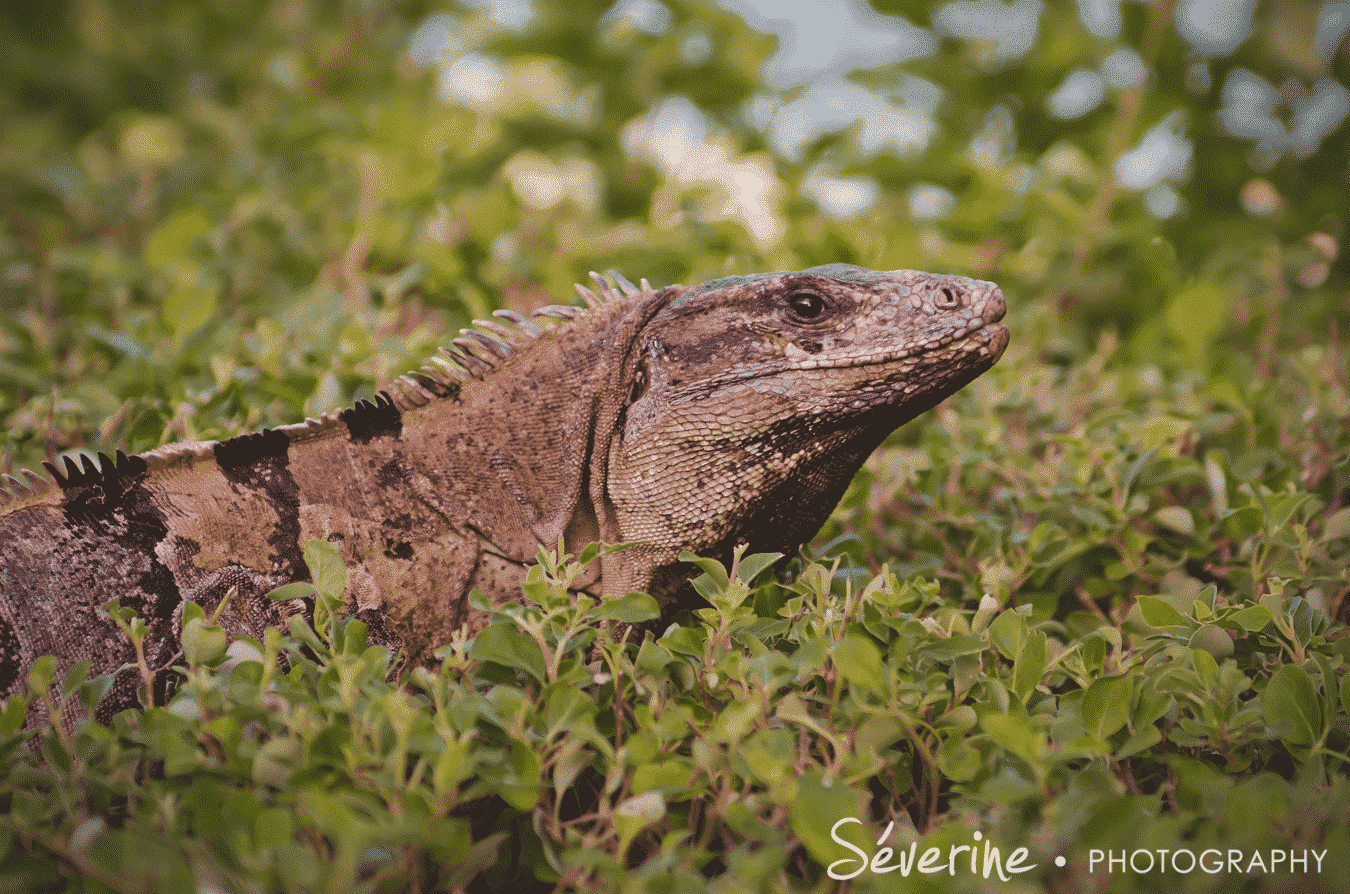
x: 736, y: 411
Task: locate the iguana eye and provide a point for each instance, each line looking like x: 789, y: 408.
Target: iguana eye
x: 805, y: 306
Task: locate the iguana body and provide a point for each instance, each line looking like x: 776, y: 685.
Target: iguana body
x: 735, y: 411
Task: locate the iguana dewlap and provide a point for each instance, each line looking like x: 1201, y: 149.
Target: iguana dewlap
x: 698, y: 418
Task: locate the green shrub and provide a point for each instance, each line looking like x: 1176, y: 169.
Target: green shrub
x: 564, y: 746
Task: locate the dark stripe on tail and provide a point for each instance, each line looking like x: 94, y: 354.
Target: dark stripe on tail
x: 369, y: 420
x: 260, y: 463
x: 107, y: 475
x: 113, y: 526
x: 11, y: 656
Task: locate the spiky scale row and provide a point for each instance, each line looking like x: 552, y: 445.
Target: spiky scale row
x: 521, y: 323
x: 32, y: 485
x: 85, y: 473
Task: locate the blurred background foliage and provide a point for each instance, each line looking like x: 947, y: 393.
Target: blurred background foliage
x: 215, y: 215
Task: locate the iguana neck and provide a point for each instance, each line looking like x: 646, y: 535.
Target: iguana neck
x: 513, y: 452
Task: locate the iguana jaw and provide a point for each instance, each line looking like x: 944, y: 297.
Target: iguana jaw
x: 904, y: 331
x: 987, y: 342
x: 756, y: 401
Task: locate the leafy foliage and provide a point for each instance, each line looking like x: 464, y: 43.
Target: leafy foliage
x: 1095, y: 601
x: 548, y: 749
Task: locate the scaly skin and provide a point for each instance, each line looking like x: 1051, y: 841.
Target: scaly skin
x: 765, y: 395
x: 733, y: 412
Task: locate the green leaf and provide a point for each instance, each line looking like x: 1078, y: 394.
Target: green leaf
x: 1008, y: 633
x: 453, y: 766
x: 13, y: 715
x: 572, y: 758
x: 1158, y: 613
x: 652, y: 657
x: 1143, y: 740
x: 1302, y: 621
x: 41, y: 674
x: 273, y: 828
x: 1015, y: 734
x: 589, y: 553
x: 859, y: 662
x: 1206, y: 668
x: 190, y: 303
x: 997, y: 694
x: 507, y: 646
x: 636, y: 813
x: 1149, y: 704
x: 566, y: 706
x: 1177, y: 519
x: 479, y: 600
x: 1195, y: 316
x: 525, y: 764
x: 1137, y: 465
x: 1251, y: 619
x: 75, y: 677
x: 1029, y: 666
x: 1213, y: 640
x: 670, y: 775
x: 1105, y: 706
x: 820, y: 804
x: 716, y: 571
x: 631, y: 608
x: 192, y: 610
x: 1240, y: 524
x: 879, y: 731
x: 958, y: 760
x: 1290, y: 705
x: 792, y: 708
x: 174, y: 236
x: 326, y: 567
x: 684, y: 640
x: 302, y: 631
x: 535, y: 586
x: 1092, y: 648
x: 203, y: 644
x: 276, y: 760
x: 953, y: 647
x: 770, y: 754
x: 986, y: 613
x: 1337, y: 525
x: 750, y: 567
x: 734, y: 722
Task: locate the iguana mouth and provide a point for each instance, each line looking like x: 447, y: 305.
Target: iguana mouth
x: 978, y: 339
x: 989, y: 341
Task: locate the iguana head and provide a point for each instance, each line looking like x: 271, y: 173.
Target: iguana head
x: 754, y: 400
